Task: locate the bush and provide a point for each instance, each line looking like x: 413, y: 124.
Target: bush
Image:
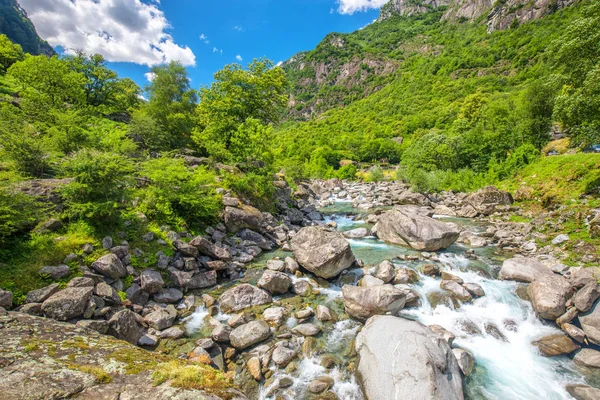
x: 375, y: 175
x: 18, y: 212
x: 347, y: 172
x: 256, y: 187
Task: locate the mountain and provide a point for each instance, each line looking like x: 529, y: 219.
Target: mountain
x: 15, y: 24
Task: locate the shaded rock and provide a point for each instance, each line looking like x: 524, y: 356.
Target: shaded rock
x: 274, y: 282
x: 124, y: 325
x: 465, y: 359
x: 81, y: 281
x: 151, y: 281
x: 210, y: 249
x: 6, y: 299
x: 56, y: 272
x: 443, y: 333
x: 590, y: 323
x: 107, y: 293
x: 291, y: 266
x: 249, y: 334
x: 322, y: 252
x: 362, y: 303
x: 260, y: 240
x: 320, y: 384
x: 243, y: 217
x: 574, y: 332
x: 403, y: 227
x: 549, y: 294
x: 31, y: 309
x: 588, y: 358
x: 430, y: 269
x: 136, y: 295
x: 388, y: 365
x: 555, y: 345
x: 243, y: 296
x: 194, y: 280
x: 39, y: 295
x: 110, y: 266
x: 585, y: 297
x: 169, y: 296
x: 100, y: 326
x: 474, y: 289
x: 66, y: 304
x: 523, y: 269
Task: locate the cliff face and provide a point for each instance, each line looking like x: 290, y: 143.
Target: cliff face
x: 15, y: 24
x: 505, y: 12
x: 410, y: 7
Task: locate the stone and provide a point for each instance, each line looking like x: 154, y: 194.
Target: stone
x: 136, y: 295
x: 474, y: 289
x: 221, y: 333
x: 161, y: 318
x: 324, y: 313
x: 169, y: 296
x: 172, y: 333
x: 465, y: 359
x: 276, y: 265
x: 583, y: 392
x: 306, y: 329
x: 588, y: 358
x: 100, y: 326
x: 430, y: 269
x: 560, y: 239
x: 107, y: 242
x: 274, y: 282
x: 322, y: 252
x: 274, y: 315
x: 291, y: 266
x: 574, y: 332
x: 81, y: 281
x: 456, y: 290
x: 446, y: 276
x: 402, y: 359
x: 39, y: 295
x: 370, y: 281
x: 254, y: 368
x: 124, y: 325
x: 283, y: 355
x: 585, y: 297
x: 590, y: 323
x: 356, y: 233
x: 555, y: 345
x: 210, y: 249
x: 567, y: 316
x: 243, y: 296
x: 362, y: 303
x: 302, y: 288
x: 110, y: 266
x: 6, y: 299
x: 147, y: 340
x: 486, y: 200
x: 67, y: 304
x: 404, y: 227
x: 523, y: 269
x: 443, y: 333
x: 320, y: 384
x: 406, y: 276
x: 107, y: 293
x: 237, y: 320
x: 385, y: 271
x: 151, y: 281
x: 249, y: 334
x: 260, y: 240
x: 549, y: 294
x: 194, y: 280
x: 31, y: 309
x: 243, y: 216
x: 56, y: 272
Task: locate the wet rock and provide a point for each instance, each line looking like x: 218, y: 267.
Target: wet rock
x: 574, y: 332
x: 356, y: 233
x: 320, y: 384
x: 406, y: 276
x: 291, y: 266
x: 6, y: 299
x: 244, y: 216
x: 243, y: 296
x: 385, y: 271
x: 590, y: 323
x: 588, y: 358
x: 322, y: 252
x: 474, y: 289
x: 66, y: 304
x: 324, y: 313
x: 523, y: 269
x: 274, y: 315
x: 491, y: 329
x: 283, y: 355
x: 555, y: 345
x: 549, y: 294
x: 221, y: 333
x: 443, y: 333
x: 306, y: 330
x: 168, y: 296
x: 430, y: 269
x: 110, y: 266
x: 425, y: 369
x: 249, y: 334
x: 362, y: 303
x: 274, y: 282
x: 583, y: 392
x: 56, y: 272
x: 465, y: 359
x: 151, y: 281
x: 162, y: 318
x: 254, y: 368
x: 585, y: 297
x: 446, y: 276
x: 302, y: 288
x: 124, y: 325
x: 210, y: 249
x: 456, y: 289
x: 405, y: 227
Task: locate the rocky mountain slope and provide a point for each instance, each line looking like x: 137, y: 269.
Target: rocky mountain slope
x: 15, y: 24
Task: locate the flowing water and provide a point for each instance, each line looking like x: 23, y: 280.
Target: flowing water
x: 497, y: 329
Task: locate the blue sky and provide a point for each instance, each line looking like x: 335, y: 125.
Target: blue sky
x: 205, y: 35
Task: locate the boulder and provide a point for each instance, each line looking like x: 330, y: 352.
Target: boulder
x: 170, y: 295
x: 574, y: 332
x: 523, y: 269
x: 406, y: 276
x: 585, y: 297
x: 151, y: 281
x: 107, y: 293
x: 67, y: 304
x: 56, y: 272
x: 244, y: 216
x: 555, y: 345
x: 136, y: 295
x: 456, y: 290
x: 249, y: 334
x: 362, y: 303
x: 161, y: 318
x: 588, y: 358
x: 385, y: 271
x: 322, y: 252
x: 485, y: 200
x: 583, y: 392
x: 474, y: 289
x: 404, y: 227
x: 274, y: 282
x: 590, y: 323
x: 39, y: 295
x: 6, y: 299
x: 402, y: 359
x: 549, y: 294
x: 356, y: 233
x: 466, y: 361
x: 110, y: 266
x: 306, y: 329
x: 124, y: 325
x: 243, y: 296
x: 194, y: 280
x: 260, y: 240
x: 210, y: 249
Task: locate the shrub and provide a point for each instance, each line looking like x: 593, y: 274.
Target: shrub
x: 347, y: 172
x: 256, y: 187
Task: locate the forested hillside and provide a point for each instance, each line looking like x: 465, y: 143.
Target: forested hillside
x: 15, y: 24
x: 462, y: 106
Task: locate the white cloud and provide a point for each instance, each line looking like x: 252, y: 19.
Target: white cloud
x: 150, y: 76
x: 215, y: 50
x: 238, y: 28
x: 238, y: 57
x: 352, y: 6
x: 204, y: 38
x: 120, y: 30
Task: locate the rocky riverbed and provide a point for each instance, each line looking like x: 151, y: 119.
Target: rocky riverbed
x: 351, y: 291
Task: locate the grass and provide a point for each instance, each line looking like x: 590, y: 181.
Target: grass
x: 99, y: 374
x: 191, y: 376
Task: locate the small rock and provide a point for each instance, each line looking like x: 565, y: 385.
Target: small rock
x: 249, y: 334
x: 56, y: 272
x: 554, y: 345
x: 107, y: 243
x: 574, y: 332
x: 306, y: 329
x: 430, y: 269
x: 474, y: 289
x: 465, y: 361
x: 456, y: 289
x: 6, y: 299
x: 560, y: 239
x: 221, y: 333
x: 274, y: 282
x: 325, y: 314
x: 283, y: 355
x: 254, y: 368
x: 172, y: 333
x: 151, y: 281
x: 320, y: 384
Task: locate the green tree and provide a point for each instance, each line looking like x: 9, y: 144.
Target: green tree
x: 9, y: 53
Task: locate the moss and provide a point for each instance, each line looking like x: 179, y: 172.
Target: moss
x: 100, y: 375
x: 192, y: 376
x: 31, y: 347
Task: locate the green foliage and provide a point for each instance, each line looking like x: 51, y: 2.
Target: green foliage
x: 347, y: 172
x: 151, y: 133
x: 9, y: 53
x: 176, y: 194
x: 254, y: 186
x: 375, y: 175
x: 18, y: 212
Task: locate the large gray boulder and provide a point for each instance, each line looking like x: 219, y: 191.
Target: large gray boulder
x: 274, y: 282
x: 110, y: 266
x: 243, y: 296
x: 523, y: 269
x: 151, y: 281
x: 124, y: 325
x: 6, y: 299
x: 549, y: 294
x: 237, y: 218
x: 404, y: 227
x: 590, y: 323
x: 210, y: 249
x: 161, y: 318
x: 402, y: 359
x: 364, y: 302
x: 588, y: 358
x: 249, y: 334
x: 485, y: 200
x: 67, y: 304
x: 41, y: 294
x: 324, y: 253
x: 585, y: 297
